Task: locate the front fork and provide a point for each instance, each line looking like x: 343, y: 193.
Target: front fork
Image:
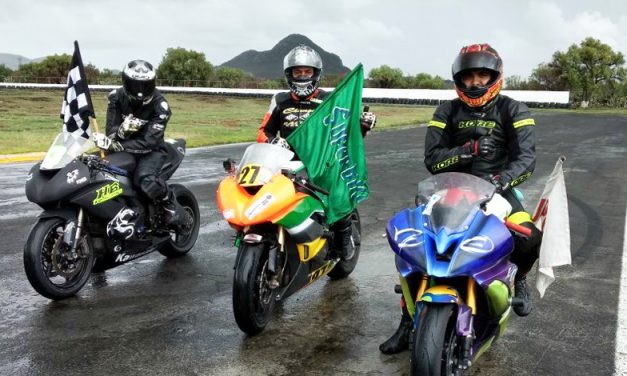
x: 72, y: 234
x: 276, y: 254
x: 428, y: 291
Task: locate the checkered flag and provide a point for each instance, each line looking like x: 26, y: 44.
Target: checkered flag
x: 77, y: 107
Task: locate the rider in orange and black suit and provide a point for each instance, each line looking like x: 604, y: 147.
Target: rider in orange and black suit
x: 303, y: 68
x: 287, y: 111
x: 488, y: 135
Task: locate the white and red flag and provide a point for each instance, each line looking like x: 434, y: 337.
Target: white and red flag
x: 551, y: 216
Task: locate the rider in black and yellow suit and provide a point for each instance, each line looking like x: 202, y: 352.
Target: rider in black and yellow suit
x: 488, y: 135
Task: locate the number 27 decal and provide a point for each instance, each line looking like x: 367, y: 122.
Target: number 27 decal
x: 248, y: 174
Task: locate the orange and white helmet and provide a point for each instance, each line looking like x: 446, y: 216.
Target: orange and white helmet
x: 478, y: 56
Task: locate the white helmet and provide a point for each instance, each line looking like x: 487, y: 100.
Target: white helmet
x: 139, y: 81
x: 302, y: 56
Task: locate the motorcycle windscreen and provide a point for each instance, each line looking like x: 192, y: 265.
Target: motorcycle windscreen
x: 452, y: 200
x: 63, y: 150
x: 261, y: 162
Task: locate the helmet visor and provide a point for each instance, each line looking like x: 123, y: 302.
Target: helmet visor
x: 476, y: 60
x: 139, y: 89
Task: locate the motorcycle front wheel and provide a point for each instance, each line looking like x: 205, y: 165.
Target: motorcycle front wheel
x: 435, y: 351
x: 253, y: 299
x: 50, y: 266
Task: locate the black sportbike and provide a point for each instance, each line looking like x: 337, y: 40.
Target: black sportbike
x: 95, y: 219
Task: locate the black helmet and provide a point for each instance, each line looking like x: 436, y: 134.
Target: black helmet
x: 478, y: 56
x: 139, y: 81
x: 302, y: 56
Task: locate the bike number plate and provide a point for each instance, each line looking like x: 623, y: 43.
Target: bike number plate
x: 249, y: 175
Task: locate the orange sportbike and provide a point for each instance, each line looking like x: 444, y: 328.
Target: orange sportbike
x: 284, y: 241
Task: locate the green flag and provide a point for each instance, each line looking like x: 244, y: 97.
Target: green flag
x: 331, y: 146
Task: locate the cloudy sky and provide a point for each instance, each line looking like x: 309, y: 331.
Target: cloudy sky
x: 415, y: 36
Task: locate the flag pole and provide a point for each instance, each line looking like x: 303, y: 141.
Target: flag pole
x: 91, y: 106
x: 102, y: 154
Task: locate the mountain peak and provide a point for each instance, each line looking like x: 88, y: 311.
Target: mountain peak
x: 269, y: 64
x: 13, y: 61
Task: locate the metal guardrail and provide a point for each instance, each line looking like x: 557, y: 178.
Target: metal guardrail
x: 546, y: 99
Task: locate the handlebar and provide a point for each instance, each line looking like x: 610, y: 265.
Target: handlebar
x: 94, y: 162
x: 518, y: 228
x: 299, y: 180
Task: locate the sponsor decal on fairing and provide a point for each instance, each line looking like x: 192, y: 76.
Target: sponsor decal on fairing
x: 477, y: 244
x: 107, y: 192
x: 122, y: 224
x: 258, y: 206
x: 414, y: 238
x: 72, y: 176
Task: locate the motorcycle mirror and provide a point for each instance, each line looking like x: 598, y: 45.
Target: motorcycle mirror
x: 420, y: 200
x: 229, y: 166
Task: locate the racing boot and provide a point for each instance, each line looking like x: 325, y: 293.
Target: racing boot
x: 400, y: 339
x: 344, y: 242
x: 174, y: 213
x: 521, y: 293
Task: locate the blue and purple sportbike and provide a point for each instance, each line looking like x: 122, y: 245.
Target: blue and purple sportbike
x: 452, y: 254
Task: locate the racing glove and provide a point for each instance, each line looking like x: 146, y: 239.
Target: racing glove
x: 281, y: 142
x: 129, y: 126
x: 105, y: 143
x: 367, y: 120
x: 499, y: 183
x: 484, y: 147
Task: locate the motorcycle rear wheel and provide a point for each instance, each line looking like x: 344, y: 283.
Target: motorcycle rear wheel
x: 46, y: 262
x: 343, y: 268
x: 184, y: 238
x: 435, y: 351
x: 253, y: 300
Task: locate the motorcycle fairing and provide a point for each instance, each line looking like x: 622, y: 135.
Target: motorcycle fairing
x: 46, y: 187
x: 309, y: 250
x: 440, y: 294
x: 271, y: 203
x: 448, y: 253
x: 304, y: 273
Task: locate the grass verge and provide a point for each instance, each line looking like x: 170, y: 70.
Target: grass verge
x: 29, y: 119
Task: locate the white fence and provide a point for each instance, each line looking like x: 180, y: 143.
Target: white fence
x: 370, y: 95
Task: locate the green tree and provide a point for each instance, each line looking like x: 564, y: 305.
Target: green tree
x: 425, y: 81
x: 331, y: 80
x: 52, y: 70
x: 26, y: 73
x: 277, y: 83
x: 612, y: 94
x: 551, y: 76
x: 4, y: 72
x: 585, y: 68
x: 185, y: 68
x: 515, y: 83
x: 110, y: 77
x: 230, y: 77
x: 386, y: 77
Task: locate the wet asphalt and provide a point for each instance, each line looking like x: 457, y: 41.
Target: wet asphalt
x: 156, y: 316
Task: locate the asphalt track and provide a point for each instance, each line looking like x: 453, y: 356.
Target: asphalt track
x: 173, y: 317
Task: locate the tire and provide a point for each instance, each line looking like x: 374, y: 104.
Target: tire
x: 435, y: 351
x: 344, y: 268
x: 253, y: 301
x: 44, y: 256
x: 185, y: 237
